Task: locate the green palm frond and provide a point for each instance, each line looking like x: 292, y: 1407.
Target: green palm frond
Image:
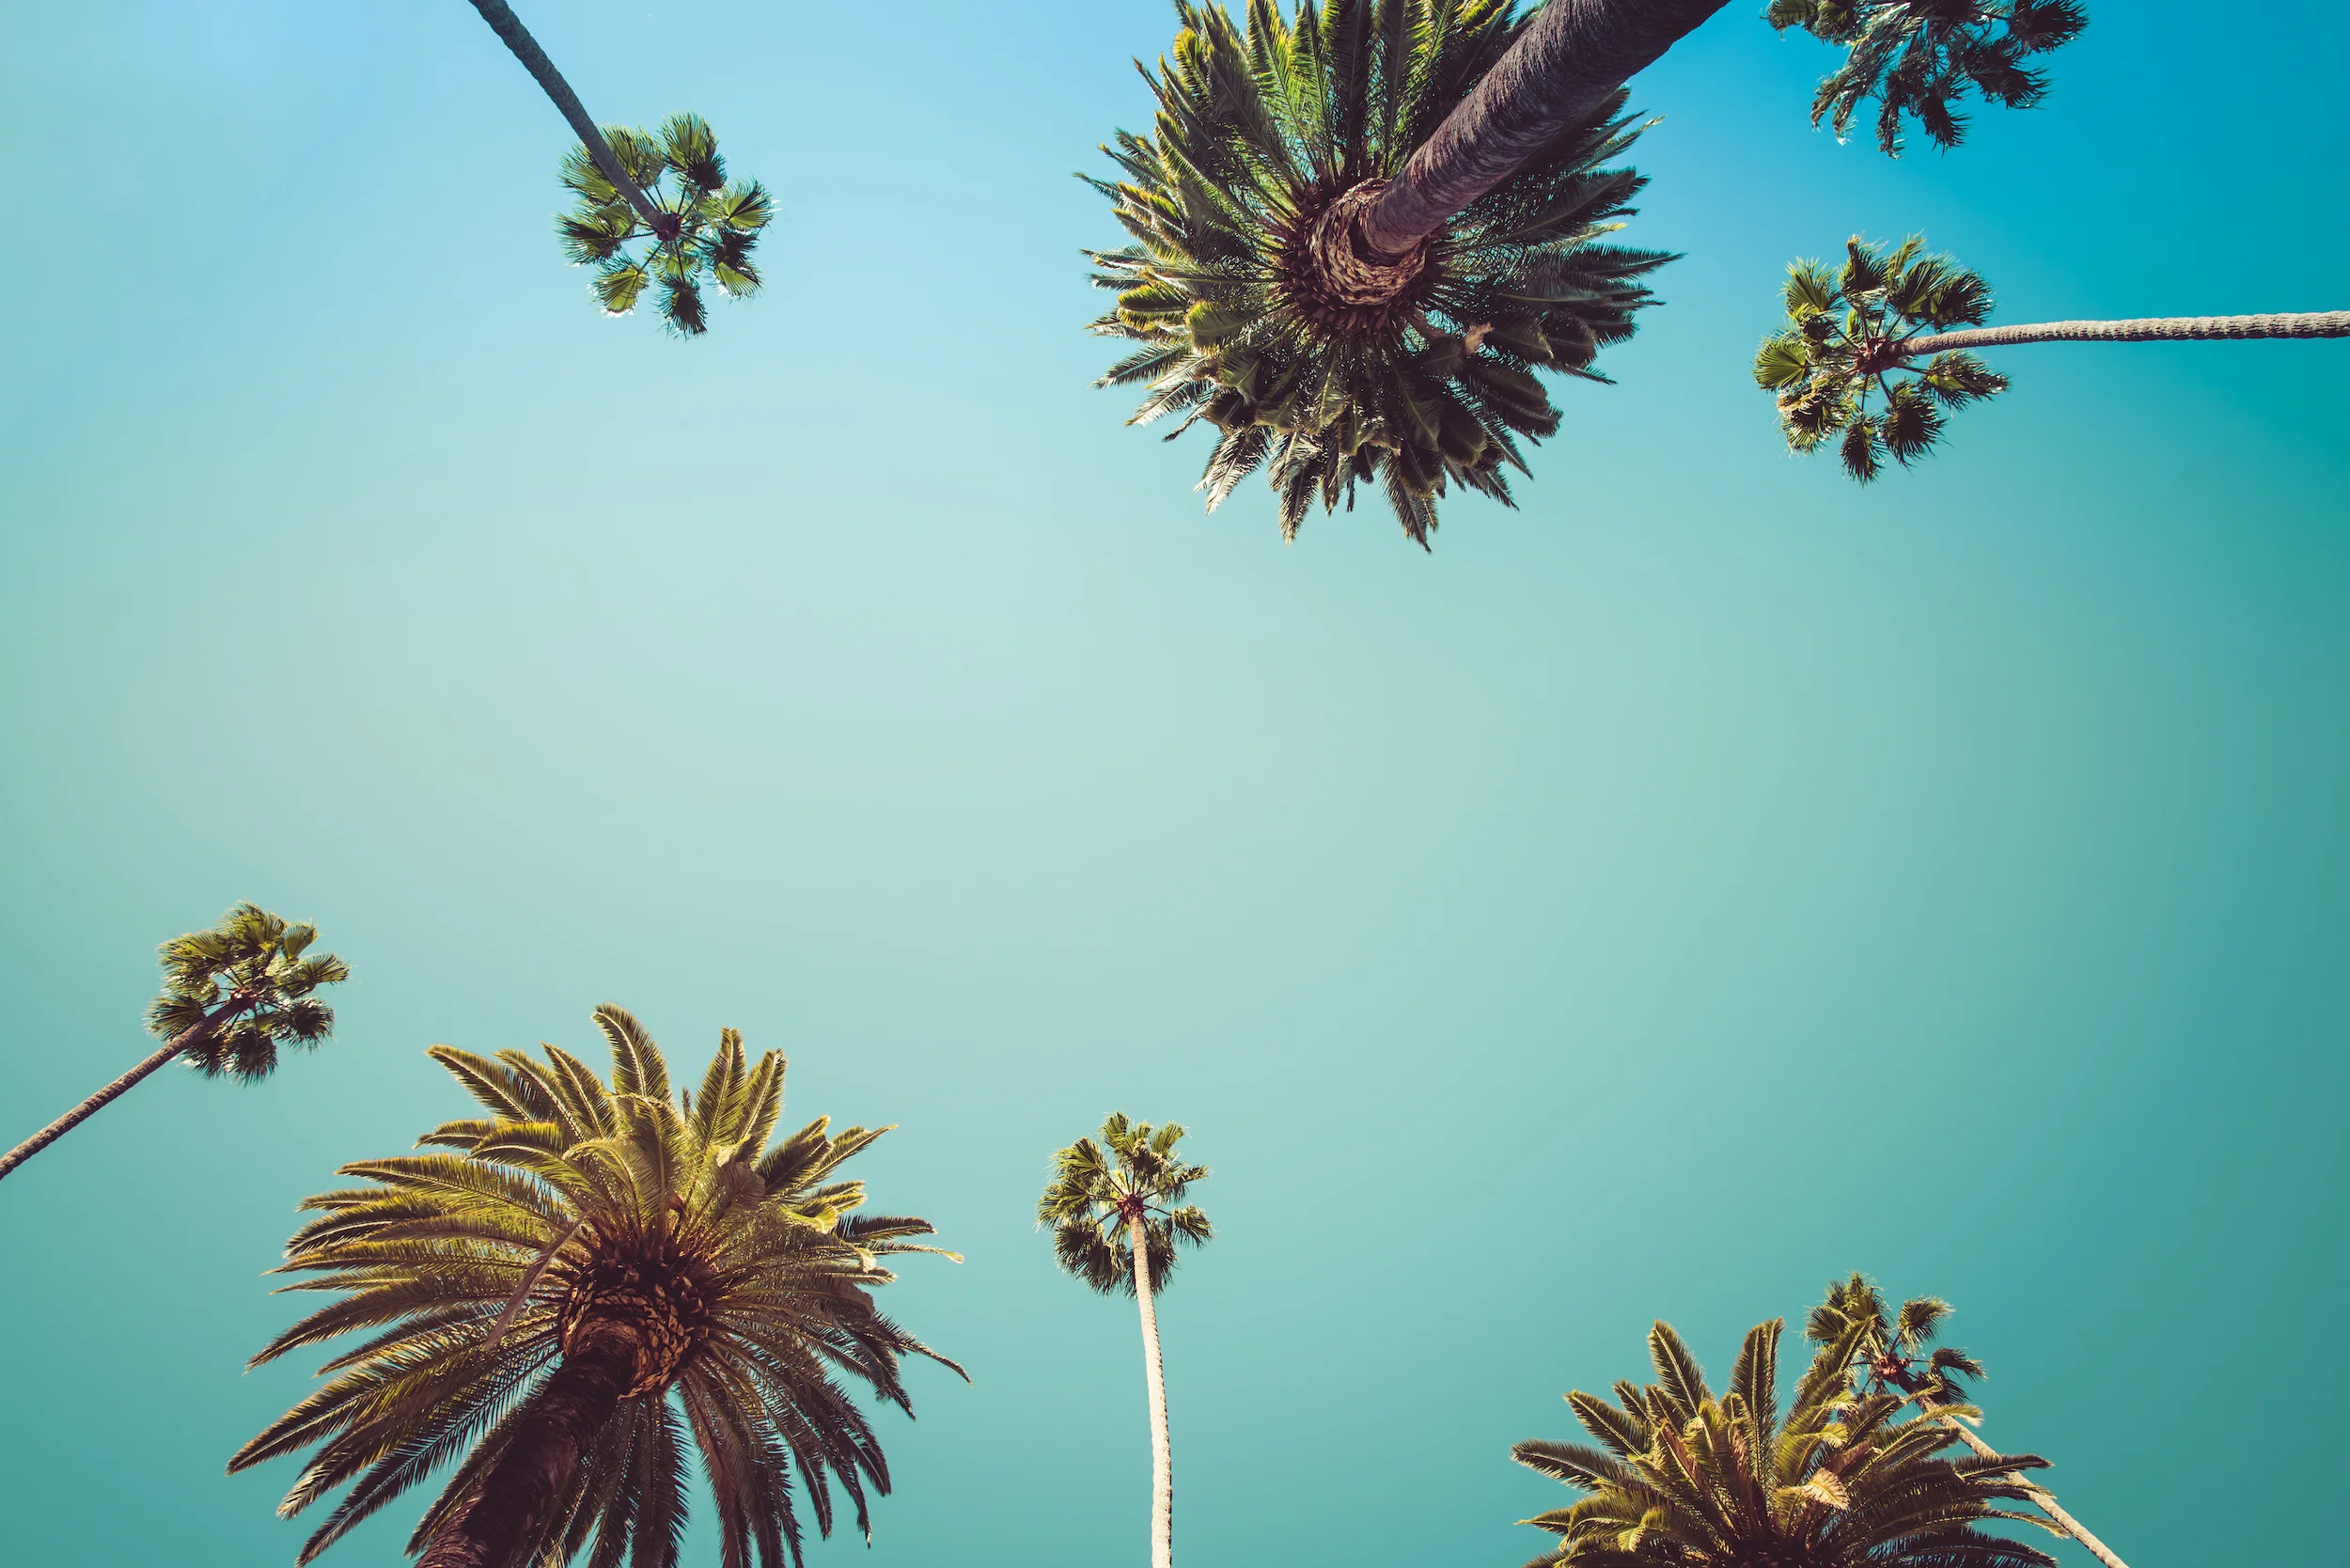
x: 1684, y: 1478
x: 254, y: 977
x: 1269, y: 136
x: 1919, y: 59
x: 705, y: 231
x: 1840, y: 366
x: 743, y: 1274
x: 1100, y: 1187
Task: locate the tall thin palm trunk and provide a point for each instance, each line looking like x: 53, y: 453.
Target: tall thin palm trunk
x: 515, y: 1497
x: 2143, y: 329
x: 2041, y: 1497
x: 517, y: 37
x: 193, y: 1035
x: 1162, y: 1464
x: 1571, y: 56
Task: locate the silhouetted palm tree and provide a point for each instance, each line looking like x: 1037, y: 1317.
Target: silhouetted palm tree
x: 1116, y: 1210
x: 1847, y: 365
x: 233, y: 996
x: 1920, y: 59
x: 667, y: 191
x: 1888, y: 1351
x: 597, y: 1273
x: 1681, y: 1479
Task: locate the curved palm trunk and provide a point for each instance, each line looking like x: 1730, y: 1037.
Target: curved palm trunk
x: 1162, y: 1465
x: 1571, y: 56
x: 2144, y: 329
x: 2041, y: 1498
x: 89, y: 1107
x: 517, y: 37
x: 511, y: 1505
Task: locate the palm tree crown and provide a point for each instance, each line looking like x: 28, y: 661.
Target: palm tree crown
x: 1258, y: 314
x: 584, y: 1279
x: 1682, y: 1479
x: 1917, y: 58
x: 254, y: 976
x: 1099, y: 1190
x: 1840, y: 366
x: 702, y: 226
x: 1892, y: 1349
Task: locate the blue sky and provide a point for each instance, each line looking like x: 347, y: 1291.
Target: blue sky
x: 1704, y: 880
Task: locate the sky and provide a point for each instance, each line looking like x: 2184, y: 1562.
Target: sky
x: 1705, y: 880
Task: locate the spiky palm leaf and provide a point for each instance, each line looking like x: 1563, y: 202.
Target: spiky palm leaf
x: 1323, y: 367
x: 1841, y: 366
x: 702, y: 228
x: 717, y: 1284
x: 1918, y: 58
x: 1681, y: 1479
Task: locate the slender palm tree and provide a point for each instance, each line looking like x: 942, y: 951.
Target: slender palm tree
x: 597, y: 1273
x: 1918, y: 58
x: 233, y: 996
x: 1117, y: 1209
x: 1258, y: 312
x: 653, y: 208
x: 1681, y: 1479
x: 1889, y: 1352
x: 1847, y: 364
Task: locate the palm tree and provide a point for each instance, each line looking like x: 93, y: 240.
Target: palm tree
x: 1847, y: 362
x: 667, y: 188
x: 1681, y: 1479
x: 1919, y: 57
x: 233, y: 996
x: 1116, y: 1210
x: 1888, y: 1352
x: 596, y: 1273
x: 1257, y: 309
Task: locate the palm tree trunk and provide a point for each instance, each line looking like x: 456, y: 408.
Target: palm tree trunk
x: 508, y: 27
x: 511, y: 1505
x: 1571, y: 56
x: 2143, y: 329
x: 192, y: 1035
x: 1162, y: 1464
x: 2041, y: 1498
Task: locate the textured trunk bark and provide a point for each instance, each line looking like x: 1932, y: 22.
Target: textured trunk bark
x: 2144, y: 329
x: 2041, y: 1499
x: 1571, y: 56
x: 517, y: 37
x: 97, y: 1102
x: 1162, y: 1464
x: 510, y: 1507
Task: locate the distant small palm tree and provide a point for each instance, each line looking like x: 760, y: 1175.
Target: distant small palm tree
x: 597, y: 1273
x: 1889, y: 1350
x: 1681, y: 1479
x: 1845, y: 364
x: 232, y: 996
x: 665, y: 193
x: 1918, y: 58
x: 1117, y: 1209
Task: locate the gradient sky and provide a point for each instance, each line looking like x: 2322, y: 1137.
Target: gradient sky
x: 1705, y: 880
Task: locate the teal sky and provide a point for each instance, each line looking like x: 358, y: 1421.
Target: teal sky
x: 1704, y: 880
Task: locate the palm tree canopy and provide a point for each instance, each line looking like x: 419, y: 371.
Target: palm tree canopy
x: 1918, y: 58
x: 738, y: 1265
x: 254, y: 975
x: 1679, y: 1478
x: 1257, y: 314
x: 1892, y: 1348
x: 1100, y: 1188
x: 703, y: 228
x: 1838, y: 366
